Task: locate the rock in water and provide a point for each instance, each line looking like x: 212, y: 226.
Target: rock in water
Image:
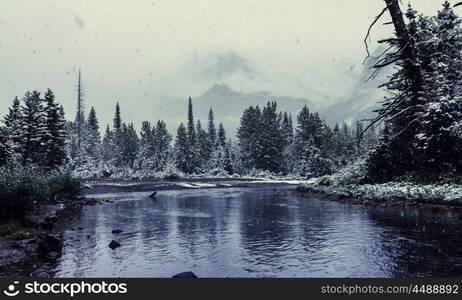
x: 113, y: 244
x: 117, y: 231
x: 188, y: 274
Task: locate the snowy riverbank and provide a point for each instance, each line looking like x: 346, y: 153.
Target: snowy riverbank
x: 110, y: 185
x: 402, y: 192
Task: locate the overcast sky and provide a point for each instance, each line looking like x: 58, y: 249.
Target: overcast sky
x: 126, y: 48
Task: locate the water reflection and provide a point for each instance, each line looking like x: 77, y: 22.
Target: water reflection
x: 256, y: 233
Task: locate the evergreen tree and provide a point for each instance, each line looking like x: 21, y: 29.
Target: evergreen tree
x: 162, y: 140
x: 6, y: 146
x: 183, y: 153
x: 33, y: 128
x: 93, y: 137
x: 211, y: 130
x: 117, y: 118
x: 221, y: 136
x: 248, y: 135
x: 203, y: 148
x: 191, y: 129
x: 107, y: 147
x: 13, y: 123
x: 128, y: 145
x: 54, y: 140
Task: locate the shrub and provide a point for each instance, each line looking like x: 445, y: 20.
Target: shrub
x: 64, y: 185
x: 25, y: 188
x: 20, y: 190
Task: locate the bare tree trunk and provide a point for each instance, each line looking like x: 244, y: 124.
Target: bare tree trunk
x: 408, y: 52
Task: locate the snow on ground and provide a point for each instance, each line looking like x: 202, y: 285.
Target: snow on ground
x: 284, y: 181
x: 394, y: 191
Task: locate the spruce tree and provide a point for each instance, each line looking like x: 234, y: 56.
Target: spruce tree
x: 93, y: 137
x: 211, y: 130
x: 55, y: 138
x: 183, y: 153
x: 13, y: 123
x: 162, y: 140
x: 33, y: 128
x: 221, y: 136
x: 6, y: 146
x: 191, y: 129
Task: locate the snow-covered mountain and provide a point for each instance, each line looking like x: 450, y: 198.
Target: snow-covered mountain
x: 323, y: 83
x: 229, y: 83
x: 229, y: 104
x: 364, y: 97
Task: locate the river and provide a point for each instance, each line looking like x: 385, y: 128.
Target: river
x: 256, y: 232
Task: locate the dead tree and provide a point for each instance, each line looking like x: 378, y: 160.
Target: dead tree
x: 405, y: 52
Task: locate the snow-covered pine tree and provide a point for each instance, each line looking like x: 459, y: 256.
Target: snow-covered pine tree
x: 55, y: 136
x: 204, y: 151
x: 161, y: 140
x: 271, y: 140
x: 107, y: 146
x: 92, y: 143
x: 117, y: 137
x: 128, y: 145
x: 33, y: 128
x: 183, y: 153
x: 248, y: 136
x: 211, y: 129
x: 221, y: 136
x: 12, y: 122
x: 191, y: 128
x: 6, y: 146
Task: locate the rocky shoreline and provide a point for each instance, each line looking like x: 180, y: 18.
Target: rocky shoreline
x: 38, y: 244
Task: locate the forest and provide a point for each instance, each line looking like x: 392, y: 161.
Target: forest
x: 416, y: 133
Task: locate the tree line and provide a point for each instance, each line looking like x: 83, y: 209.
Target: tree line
x: 37, y: 133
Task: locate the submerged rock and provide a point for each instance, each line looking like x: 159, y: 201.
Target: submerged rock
x: 113, y: 244
x: 188, y: 274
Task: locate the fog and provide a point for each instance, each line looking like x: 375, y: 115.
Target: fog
x: 143, y: 53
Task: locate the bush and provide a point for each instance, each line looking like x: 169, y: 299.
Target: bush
x: 64, y: 185
x: 20, y: 190
x: 24, y: 188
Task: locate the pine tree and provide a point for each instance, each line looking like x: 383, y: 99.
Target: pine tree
x: 211, y: 130
x: 128, y: 145
x: 6, y: 146
x: 204, y: 151
x: 13, y: 123
x: 183, y: 153
x: 55, y: 138
x: 191, y: 129
x: 117, y: 118
x: 33, y: 128
x: 162, y: 140
x: 117, y: 138
x: 93, y: 137
x: 248, y: 135
x: 107, y: 147
x: 221, y: 136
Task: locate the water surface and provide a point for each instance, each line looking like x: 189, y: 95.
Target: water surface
x: 256, y: 232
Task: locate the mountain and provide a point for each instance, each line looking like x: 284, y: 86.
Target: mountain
x: 364, y: 97
x: 323, y: 82
x: 229, y: 104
